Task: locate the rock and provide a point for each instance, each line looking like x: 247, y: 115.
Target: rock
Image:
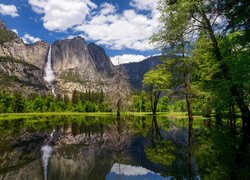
x: 135, y: 71
x: 101, y: 60
x: 35, y: 54
x: 80, y: 66
x: 76, y: 65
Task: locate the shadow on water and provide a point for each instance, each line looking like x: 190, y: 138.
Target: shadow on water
x: 127, y: 147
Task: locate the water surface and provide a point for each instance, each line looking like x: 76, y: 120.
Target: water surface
x: 104, y: 147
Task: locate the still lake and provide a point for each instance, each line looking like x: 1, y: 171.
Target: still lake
x: 66, y: 147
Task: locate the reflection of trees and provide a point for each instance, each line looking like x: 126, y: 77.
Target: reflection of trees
x: 167, y: 149
x: 155, y: 131
x: 160, y: 151
x: 119, y: 133
x: 214, y: 153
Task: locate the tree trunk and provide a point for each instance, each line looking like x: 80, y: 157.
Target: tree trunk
x: 236, y: 91
x: 118, y: 112
x: 190, y: 115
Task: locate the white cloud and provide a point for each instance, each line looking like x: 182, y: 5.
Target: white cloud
x: 107, y: 8
x: 127, y: 58
x: 15, y: 31
x: 73, y: 36
x: 128, y: 29
x: 10, y: 10
x: 104, y: 25
x: 59, y: 15
x: 28, y: 39
x: 149, y: 5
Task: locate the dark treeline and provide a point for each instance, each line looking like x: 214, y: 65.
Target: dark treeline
x: 88, y: 101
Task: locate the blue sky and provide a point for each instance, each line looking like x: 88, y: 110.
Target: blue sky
x: 121, y: 27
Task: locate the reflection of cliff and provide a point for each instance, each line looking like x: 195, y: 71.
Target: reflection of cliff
x: 82, y: 149
x: 19, y: 157
x: 75, y: 151
x: 80, y: 156
x: 30, y: 171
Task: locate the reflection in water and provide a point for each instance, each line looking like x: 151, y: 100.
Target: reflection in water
x: 120, y: 171
x: 106, y: 147
x: 46, y: 154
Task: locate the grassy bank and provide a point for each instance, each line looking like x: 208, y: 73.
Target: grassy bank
x: 13, y: 116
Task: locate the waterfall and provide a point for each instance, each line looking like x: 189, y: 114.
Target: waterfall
x: 49, y: 76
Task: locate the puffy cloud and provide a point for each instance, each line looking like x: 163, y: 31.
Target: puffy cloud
x: 59, y: 15
x: 105, y: 25
x: 127, y: 58
x: 107, y: 8
x: 28, y: 39
x: 128, y: 29
x: 10, y: 10
x: 149, y: 5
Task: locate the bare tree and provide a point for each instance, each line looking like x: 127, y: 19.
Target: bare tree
x: 120, y: 93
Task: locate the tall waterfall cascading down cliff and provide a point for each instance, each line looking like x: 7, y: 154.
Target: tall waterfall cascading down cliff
x: 49, y: 76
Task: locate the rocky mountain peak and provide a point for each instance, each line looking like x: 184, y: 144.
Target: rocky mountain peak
x: 101, y: 60
x: 70, y: 53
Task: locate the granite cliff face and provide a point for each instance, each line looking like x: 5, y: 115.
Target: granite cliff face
x: 14, y: 46
x: 135, y: 71
x: 80, y: 66
x: 101, y: 60
x: 75, y: 64
x: 21, y: 65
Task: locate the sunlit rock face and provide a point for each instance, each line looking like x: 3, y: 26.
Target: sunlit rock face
x: 34, y: 54
x: 73, y: 64
x: 79, y: 66
x: 21, y: 65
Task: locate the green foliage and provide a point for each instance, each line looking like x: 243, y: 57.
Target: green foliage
x: 214, y: 153
x: 156, y: 81
x: 18, y: 103
x: 140, y: 102
x: 5, y: 36
x: 178, y: 106
x: 72, y: 76
x: 83, y: 102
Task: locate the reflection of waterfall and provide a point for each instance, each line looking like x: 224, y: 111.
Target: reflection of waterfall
x: 46, y: 154
x: 46, y: 151
x: 51, y: 135
x: 49, y: 74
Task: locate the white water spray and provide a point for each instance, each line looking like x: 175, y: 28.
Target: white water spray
x: 49, y: 74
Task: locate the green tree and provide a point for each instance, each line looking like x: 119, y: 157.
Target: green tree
x: 19, y: 103
x: 156, y: 82
x: 181, y: 18
x: 75, y: 97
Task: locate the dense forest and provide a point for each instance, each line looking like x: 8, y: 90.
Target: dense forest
x: 79, y: 102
